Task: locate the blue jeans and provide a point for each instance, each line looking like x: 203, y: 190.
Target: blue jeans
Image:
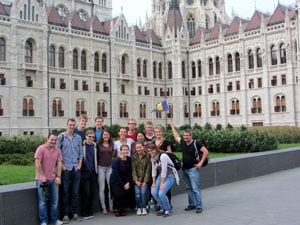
x: 70, y: 181
x: 192, y: 182
x: 49, y: 193
x: 141, y: 195
x: 160, y: 195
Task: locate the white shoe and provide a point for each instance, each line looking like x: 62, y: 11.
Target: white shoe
x: 43, y: 223
x: 59, y: 222
x: 144, y: 211
x: 139, y: 212
x: 66, y: 220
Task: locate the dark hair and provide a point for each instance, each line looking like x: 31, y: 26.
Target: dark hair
x: 140, y: 132
x: 122, y: 146
x: 101, y: 140
x: 189, y: 131
x: 139, y: 143
x: 71, y: 120
x: 151, y: 146
x: 49, y: 135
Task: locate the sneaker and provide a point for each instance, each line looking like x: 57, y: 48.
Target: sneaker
x: 88, y: 216
x: 144, y: 212
x: 104, y: 211
x: 190, y: 207
x: 199, y: 210
x: 139, y: 212
x: 167, y: 213
x: 59, y: 222
x: 160, y: 212
x: 66, y: 220
x: 43, y: 223
x: 76, y: 217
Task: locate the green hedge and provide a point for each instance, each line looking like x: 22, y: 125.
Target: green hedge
x: 20, y: 149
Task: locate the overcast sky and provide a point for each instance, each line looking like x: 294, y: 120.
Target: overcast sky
x: 135, y: 10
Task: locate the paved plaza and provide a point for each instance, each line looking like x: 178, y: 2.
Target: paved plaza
x: 273, y: 199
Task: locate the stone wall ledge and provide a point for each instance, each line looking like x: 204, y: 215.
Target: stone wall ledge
x: 18, y: 202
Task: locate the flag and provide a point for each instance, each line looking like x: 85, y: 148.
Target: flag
x: 161, y: 107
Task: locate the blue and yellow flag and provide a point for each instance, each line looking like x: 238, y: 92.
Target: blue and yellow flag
x: 161, y: 107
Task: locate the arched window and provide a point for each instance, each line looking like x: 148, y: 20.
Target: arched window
x: 197, y: 111
x: 217, y: 65
x: 273, y: 55
x: 83, y: 60
x: 52, y: 56
x: 138, y: 67
x: 104, y: 63
x: 123, y: 110
x: 61, y: 57
x: 183, y: 69
x: 96, y: 62
x: 123, y: 64
x: 154, y: 70
x: 75, y: 59
x: 2, y: 49
x: 101, y: 109
x: 215, y: 108
x: 80, y: 108
x: 143, y: 110
x: 186, y: 110
x: 28, y: 52
x: 145, y: 68
x: 191, y: 25
x: 282, y: 53
x: 1, y: 108
x: 280, y: 105
x: 57, y: 108
x: 235, y: 107
x: 250, y: 59
x: 193, y: 69
x: 170, y: 71
x: 256, y: 105
x: 28, y: 107
x: 160, y: 70
x: 199, y: 68
x: 210, y: 66
x: 237, y: 62
x: 230, y: 63
x: 171, y: 111
x: 258, y: 58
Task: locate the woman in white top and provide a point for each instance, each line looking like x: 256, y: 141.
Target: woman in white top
x: 123, y: 141
x: 164, y: 176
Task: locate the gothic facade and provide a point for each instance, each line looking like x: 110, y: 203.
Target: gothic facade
x: 61, y: 59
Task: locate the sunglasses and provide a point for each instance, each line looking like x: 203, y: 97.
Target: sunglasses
x: 91, y: 136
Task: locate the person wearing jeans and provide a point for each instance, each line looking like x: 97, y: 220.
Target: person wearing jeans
x: 48, y: 163
x: 141, y: 175
x: 72, y: 154
x: 164, y: 176
x: 192, y: 181
x: 190, y: 165
x: 105, y: 154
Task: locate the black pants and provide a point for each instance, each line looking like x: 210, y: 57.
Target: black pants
x: 88, y: 187
x: 120, y: 196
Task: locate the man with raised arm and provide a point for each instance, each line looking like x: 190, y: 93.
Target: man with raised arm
x: 190, y: 165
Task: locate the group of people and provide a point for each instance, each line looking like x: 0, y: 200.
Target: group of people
x: 128, y: 172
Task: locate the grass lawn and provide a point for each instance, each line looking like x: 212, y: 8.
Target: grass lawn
x: 12, y: 174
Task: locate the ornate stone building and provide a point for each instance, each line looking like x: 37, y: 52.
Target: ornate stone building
x: 61, y: 59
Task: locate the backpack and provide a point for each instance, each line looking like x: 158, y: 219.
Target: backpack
x: 62, y: 138
x: 176, y: 161
x: 198, y: 155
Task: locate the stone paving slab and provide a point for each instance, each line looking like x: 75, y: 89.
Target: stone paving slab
x: 273, y: 199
